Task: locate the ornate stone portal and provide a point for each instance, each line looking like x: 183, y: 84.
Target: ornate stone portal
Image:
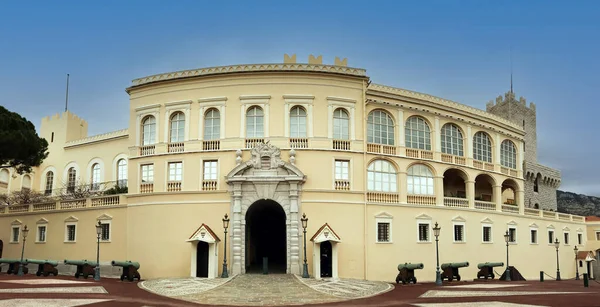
x: 265, y: 176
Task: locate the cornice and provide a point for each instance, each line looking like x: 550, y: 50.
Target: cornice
x: 286, y: 67
x: 100, y: 137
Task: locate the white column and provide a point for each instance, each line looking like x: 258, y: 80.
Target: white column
x: 497, y: 198
x: 521, y: 155
x: 310, y: 120
x: 438, y: 182
x: 498, y: 142
x: 330, y: 121
x: 266, y: 123
x: 294, y: 255
x: 222, y: 118
x: 469, y: 142
x: 167, y: 117
x: 236, y: 235
x: 186, y: 136
x: 521, y: 201
x: 243, y: 121
x: 401, y: 128
x: 438, y: 135
x: 353, y: 126
x: 286, y: 120
x: 201, y: 124
x: 470, y: 191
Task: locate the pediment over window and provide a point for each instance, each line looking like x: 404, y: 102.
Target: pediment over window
x: 71, y: 219
x: 579, y: 230
x: 16, y: 222
x: 533, y: 225
x: 459, y: 218
x: 325, y: 233
x: 384, y: 215
x: 550, y: 226
x: 487, y: 221
x: 42, y: 221
x: 104, y: 217
x: 512, y: 223
x: 566, y: 228
x: 205, y: 234
x: 423, y: 217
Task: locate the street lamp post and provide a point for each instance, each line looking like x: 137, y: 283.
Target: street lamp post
x: 576, y: 266
x: 304, y: 220
x: 557, y: 244
x: 507, y: 239
x: 25, y: 231
x: 438, y: 275
x: 98, y: 234
x: 225, y: 226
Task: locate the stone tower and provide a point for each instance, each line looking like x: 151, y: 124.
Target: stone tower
x: 541, y: 181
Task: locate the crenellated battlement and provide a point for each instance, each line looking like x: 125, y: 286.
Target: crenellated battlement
x: 509, y: 97
x: 64, y: 116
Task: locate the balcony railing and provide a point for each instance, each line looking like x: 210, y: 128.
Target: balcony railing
x: 508, y: 171
x: 485, y: 205
x: 3, y: 185
x: 456, y: 202
x: 454, y: 159
x: 419, y: 154
x: 343, y: 185
x: 421, y: 200
x: 341, y: 145
x: 175, y: 147
x: 510, y: 208
x: 209, y: 185
x: 58, y: 205
x: 211, y: 145
x: 382, y: 197
x: 146, y: 187
x: 44, y: 207
x: 251, y: 143
x: 382, y: 149
x: 298, y: 143
x: 147, y: 150
x: 173, y: 186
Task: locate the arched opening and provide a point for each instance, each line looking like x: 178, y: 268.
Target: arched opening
x: 202, y: 259
x: 454, y: 183
x: 509, y: 192
x: 266, y: 237
x: 326, y: 259
x: 484, y: 190
x: 536, y: 206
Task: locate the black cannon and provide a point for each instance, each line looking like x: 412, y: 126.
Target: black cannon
x: 45, y: 267
x: 84, y: 268
x: 406, y: 272
x: 13, y: 265
x: 486, y: 270
x: 130, y: 269
x: 450, y: 270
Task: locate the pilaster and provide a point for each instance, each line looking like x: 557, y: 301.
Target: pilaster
x: 498, y: 197
x: 470, y: 189
x: 438, y: 183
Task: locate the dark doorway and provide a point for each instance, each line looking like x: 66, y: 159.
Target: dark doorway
x: 202, y: 259
x: 1, y: 248
x: 326, y: 259
x: 265, y: 237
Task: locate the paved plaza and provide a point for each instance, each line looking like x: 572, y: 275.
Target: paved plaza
x: 290, y: 290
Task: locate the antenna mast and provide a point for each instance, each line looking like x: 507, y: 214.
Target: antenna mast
x: 511, y: 72
x: 67, y: 95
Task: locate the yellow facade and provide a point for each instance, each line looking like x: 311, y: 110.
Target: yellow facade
x: 290, y: 160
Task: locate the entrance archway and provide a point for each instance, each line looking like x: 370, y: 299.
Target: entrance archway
x: 266, y: 237
x: 202, y: 259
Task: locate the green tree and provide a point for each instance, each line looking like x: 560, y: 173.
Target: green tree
x: 20, y: 146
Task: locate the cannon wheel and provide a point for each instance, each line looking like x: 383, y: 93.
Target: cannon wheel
x: 450, y: 278
x: 414, y: 280
x: 85, y: 276
x: 457, y: 277
x: 130, y: 277
x: 46, y: 274
x: 55, y: 273
x: 492, y: 276
x: 38, y: 273
x: 122, y: 277
x: 398, y: 279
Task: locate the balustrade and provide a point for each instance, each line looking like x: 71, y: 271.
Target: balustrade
x: 211, y: 145
x: 343, y: 185
x: 381, y: 197
x: 44, y: 207
x: 485, y: 205
x: 146, y: 188
x: 173, y: 186
x: 421, y: 200
x: 298, y: 143
x: 251, y: 143
x: 175, y: 147
x: 456, y: 202
x: 341, y: 145
x: 209, y: 185
x: 510, y: 208
x: 147, y: 150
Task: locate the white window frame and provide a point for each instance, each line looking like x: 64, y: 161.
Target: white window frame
x: 452, y: 144
x: 122, y: 171
x: 335, y: 169
x: 464, y: 232
x: 67, y: 224
x: 392, y: 176
x: 371, y: 134
x: 482, y: 153
x: 203, y: 174
x: 415, y: 179
x: 553, y: 236
x: 219, y: 104
x: 566, y: 238
x: 248, y: 101
x: 580, y: 238
x: 483, y: 226
x: 412, y: 130
x: 508, y: 154
x: 516, y: 236
x: 340, y: 122
x: 37, y: 233
x: 213, y: 132
x: 141, y: 113
x: 349, y: 105
x: 303, y: 101
x: 537, y: 235
x: 109, y: 222
x: 142, y: 172
x: 429, y: 231
x: 384, y: 218
x: 18, y: 227
x: 168, y: 167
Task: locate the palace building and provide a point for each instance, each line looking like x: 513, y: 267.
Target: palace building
x: 372, y: 167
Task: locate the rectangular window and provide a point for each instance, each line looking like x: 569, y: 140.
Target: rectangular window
x: 487, y: 234
x: 148, y: 173
x: 512, y: 235
x: 579, y: 238
x: 71, y: 233
x: 597, y: 235
x: 567, y: 237
x: 533, y: 236
x: 550, y: 236
x: 341, y: 169
x: 459, y: 233
x: 105, y: 234
x: 16, y: 232
x: 423, y: 232
x: 175, y: 171
x: 383, y: 232
x: 210, y: 170
x: 41, y: 234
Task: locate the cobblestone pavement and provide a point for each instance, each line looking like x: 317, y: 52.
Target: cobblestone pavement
x: 266, y: 290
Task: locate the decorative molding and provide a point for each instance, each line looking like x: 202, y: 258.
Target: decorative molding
x: 42, y: 221
x: 566, y: 228
x: 550, y: 226
x: 533, y: 225
x: 341, y: 99
x: 104, y: 217
x: 423, y: 216
x: 384, y: 215
x: 459, y: 218
x: 325, y: 233
x: 512, y: 223
x: 71, y: 219
x: 487, y: 221
x: 148, y: 107
x: 99, y: 137
x: 286, y: 67
x: 220, y: 99
x: 16, y: 222
x: 205, y: 234
x: 178, y: 103
x: 255, y: 97
x: 299, y: 97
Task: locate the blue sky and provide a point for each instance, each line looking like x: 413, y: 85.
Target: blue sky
x: 459, y: 50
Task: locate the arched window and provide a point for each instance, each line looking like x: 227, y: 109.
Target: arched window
x: 380, y: 128
x: 341, y: 124
x: 177, y: 127
x: 26, y: 183
x: 420, y: 180
x: 452, y: 140
x: 255, y: 123
x: 417, y: 132
x: 536, y: 206
x: 508, y: 154
x: 122, y: 173
x: 4, y: 175
x: 95, y: 178
x: 212, y: 124
x: 49, y: 182
x: 381, y: 176
x: 482, y: 147
x: 148, y: 130
x: 71, y: 179
x: 297, y: 122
